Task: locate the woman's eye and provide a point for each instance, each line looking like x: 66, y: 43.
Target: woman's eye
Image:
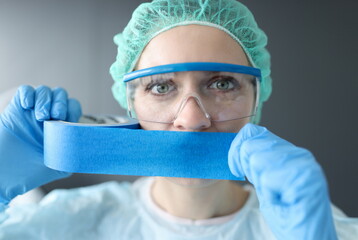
x: 223, y: 85
x: 161, y: 88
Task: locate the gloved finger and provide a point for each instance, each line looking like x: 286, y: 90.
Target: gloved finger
x: 59, y: 104
x: 259, y: 150
x: 264, y: 153
x: 27, y: 96
x: 234, y: 159
x: 43, y: 96
x: 74, y: 110
x: 281, y: 174
x: 274, y: 186
x: 293, y: 181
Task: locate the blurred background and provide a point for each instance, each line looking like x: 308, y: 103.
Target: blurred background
x: 313, y: 44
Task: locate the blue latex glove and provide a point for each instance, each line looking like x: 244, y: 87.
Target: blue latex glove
x: 290, y: 184
x: 21, y: 138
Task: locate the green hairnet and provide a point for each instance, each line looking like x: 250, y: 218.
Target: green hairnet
x: 151, y: 19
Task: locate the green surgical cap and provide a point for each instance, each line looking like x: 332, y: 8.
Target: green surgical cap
x: 151, y: 19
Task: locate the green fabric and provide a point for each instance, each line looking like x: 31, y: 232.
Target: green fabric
x: 150, y: 19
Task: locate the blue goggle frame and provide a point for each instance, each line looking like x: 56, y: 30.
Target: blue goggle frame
x: 193, y: 66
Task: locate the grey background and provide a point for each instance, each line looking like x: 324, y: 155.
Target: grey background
x: 314, y: 56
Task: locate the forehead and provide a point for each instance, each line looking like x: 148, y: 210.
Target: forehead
x: 191, y: 43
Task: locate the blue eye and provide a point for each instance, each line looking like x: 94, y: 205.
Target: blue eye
x: 159, y: 85
x: 223, y: 84
x: 161, y: 88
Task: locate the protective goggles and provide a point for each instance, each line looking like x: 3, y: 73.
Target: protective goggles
x: 222, y: 91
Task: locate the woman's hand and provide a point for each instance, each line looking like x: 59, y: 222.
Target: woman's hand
x: 21, y: 138
x: 290, y: 184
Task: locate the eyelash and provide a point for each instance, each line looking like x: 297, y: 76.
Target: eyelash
x: 233, y: 81
x: 155, y: 82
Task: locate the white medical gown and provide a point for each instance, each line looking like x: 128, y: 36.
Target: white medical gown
x: 126, y: 211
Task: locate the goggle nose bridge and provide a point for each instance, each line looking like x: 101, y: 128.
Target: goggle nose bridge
x: 196, y: 97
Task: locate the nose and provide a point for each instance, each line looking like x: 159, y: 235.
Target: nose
x: 191, y: 117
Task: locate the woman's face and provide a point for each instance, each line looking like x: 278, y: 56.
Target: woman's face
x: 193, y: 43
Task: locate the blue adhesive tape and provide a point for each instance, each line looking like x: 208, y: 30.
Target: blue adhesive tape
x: 128, y: 150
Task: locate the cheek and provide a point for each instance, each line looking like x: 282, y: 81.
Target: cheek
x: 147, y: 125
x: 142, y: 112
x: 233, y: 126
x: 155, y: 126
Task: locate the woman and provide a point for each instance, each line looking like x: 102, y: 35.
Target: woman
x: 292, y: 197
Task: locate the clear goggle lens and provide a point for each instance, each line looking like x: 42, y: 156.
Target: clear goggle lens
x: 162, y: 94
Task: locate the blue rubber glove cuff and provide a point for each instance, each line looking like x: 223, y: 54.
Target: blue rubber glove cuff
x: 17, y: 180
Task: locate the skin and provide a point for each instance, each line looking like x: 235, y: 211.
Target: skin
x: 187, y: 197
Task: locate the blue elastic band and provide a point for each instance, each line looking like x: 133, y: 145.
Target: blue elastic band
x: 123, y: 151
x: 193, y: 66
